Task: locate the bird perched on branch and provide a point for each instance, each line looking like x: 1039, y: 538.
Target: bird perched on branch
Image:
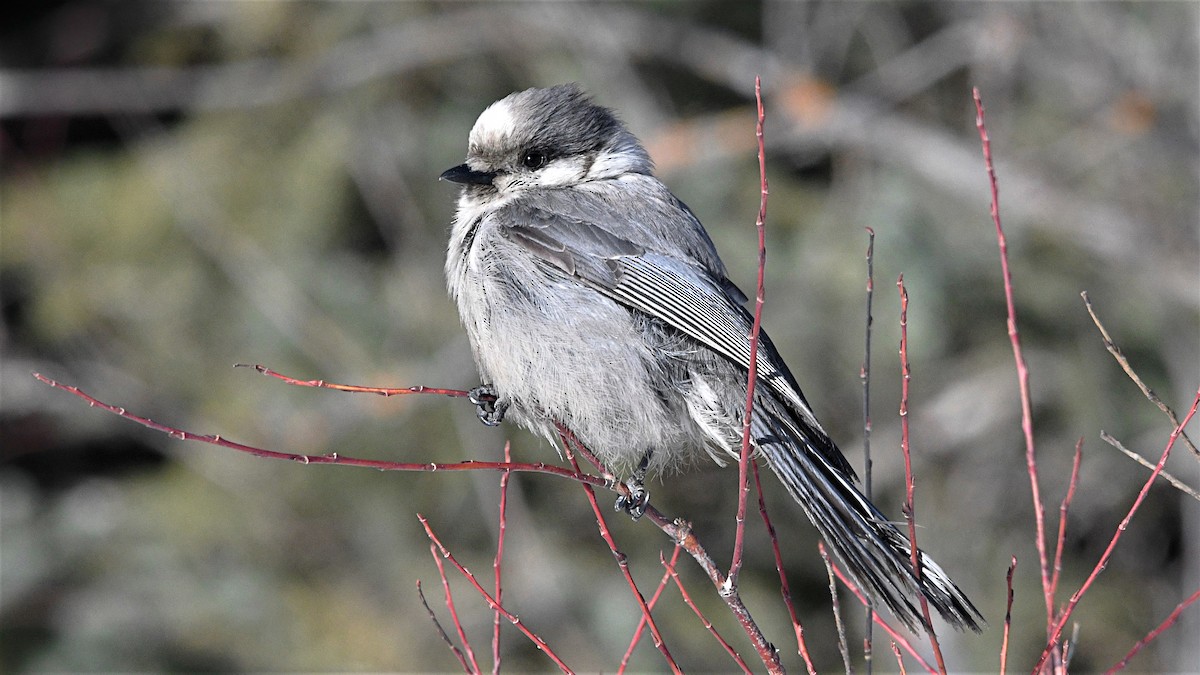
x: 593, y: 298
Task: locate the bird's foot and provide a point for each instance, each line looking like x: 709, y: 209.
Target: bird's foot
x: 488, y: 407
x: 638, y: 499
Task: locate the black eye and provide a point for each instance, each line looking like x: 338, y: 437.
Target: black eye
x: 534, y: 159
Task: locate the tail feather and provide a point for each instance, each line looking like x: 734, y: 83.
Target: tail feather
x: 874, y: 553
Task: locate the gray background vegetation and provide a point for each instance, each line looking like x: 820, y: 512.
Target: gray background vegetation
x: 188, y: 185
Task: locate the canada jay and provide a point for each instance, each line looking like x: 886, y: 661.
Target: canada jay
x: 593, y: 298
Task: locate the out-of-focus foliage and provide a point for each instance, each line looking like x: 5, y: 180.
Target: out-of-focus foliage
x: 188, y: 185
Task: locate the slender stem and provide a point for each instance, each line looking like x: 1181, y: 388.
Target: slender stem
x: 868, y: 629
x: 909, y: 482
x: 735, y: 565
x: 537, y: 641
x: 1014, y: 337
x: 1065, y: 615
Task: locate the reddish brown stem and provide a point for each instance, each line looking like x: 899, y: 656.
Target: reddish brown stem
x: 537, y: 641
x: 1065, y: 616
x: 354, y: 388
x: 332, y: 458
x: 909, y: 503
x: 899, y: 659
x: 704, y: 620
x: 637, y: 632
x: 1012, y: 567
x: 1014, y: 337
x: 784, y: 587
x: 1152, y: 635
x: 449, y: 598
x: 622, y: 562
x: 1060, y: 541
x: 735, y: 565
x: 678, y: 530
x: 498, y: 560
x: 896, y: 637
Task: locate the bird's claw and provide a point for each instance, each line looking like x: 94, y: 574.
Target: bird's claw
x: 488, y: 407
x: 636, y: 501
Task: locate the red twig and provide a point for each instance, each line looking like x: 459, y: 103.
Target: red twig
x: 784, y: 588
x: 331, y: 458
x: 909, y: 505
x: 537, y: 641
x: 1012, y: 567
x: 441, y: 631
x: 1152, y: 635
x: 622, y: 562
x: 679, y: 531
x: 735, y: 565
x: 458, y: 627
x: 353, y: 388
x: 1064, y: 617
x: 1022, y: 370
x: 704, y: 620
x: 899, y: 659
x: 1061, y: 540
x: 498, y: 560
x: 637, y: 632
x: 897, y: 637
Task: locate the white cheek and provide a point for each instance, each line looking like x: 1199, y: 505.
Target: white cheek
x: 560, y: 173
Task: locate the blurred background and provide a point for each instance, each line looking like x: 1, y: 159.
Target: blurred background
x: 188, y: 185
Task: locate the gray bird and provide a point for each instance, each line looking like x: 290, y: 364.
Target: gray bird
x: 593, y: 298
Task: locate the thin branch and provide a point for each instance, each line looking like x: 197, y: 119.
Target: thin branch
x: 1112, y: 544
x: 735, y: 565
x: 1170, y: 478
x: 498, y: 560
x: 622, y: 561
x: 449, y: 598
x: 1152, y: 635
x: 678, y: 530
x: 843, y: 647
x: 1014, y: 337
x: 899, y: 658
x: 687, y: 598
x: 441, y: 631
x: 1012, y: 567
x: 1060, y: 541
x: 869, y: 628
x: 331, y: 458
x: 784, y: 588
x: 353, y: 388
x: 897, y: 637
x: 637, y: 632
x: 1124, y: 363
x: 537, y: 641
x: 909, y: 482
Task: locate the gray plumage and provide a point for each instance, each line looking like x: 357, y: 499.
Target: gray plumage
x: 594, y: 298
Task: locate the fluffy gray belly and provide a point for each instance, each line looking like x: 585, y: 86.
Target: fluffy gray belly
x: 559, y: 351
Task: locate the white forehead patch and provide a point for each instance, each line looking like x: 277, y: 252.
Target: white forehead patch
x: 494, y: 124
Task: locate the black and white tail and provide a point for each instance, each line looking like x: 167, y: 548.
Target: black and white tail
x: 873, y: 552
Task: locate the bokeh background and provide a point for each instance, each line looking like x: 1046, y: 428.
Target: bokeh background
x: 188, y: 185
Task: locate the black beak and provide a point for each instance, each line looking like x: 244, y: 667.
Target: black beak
x: 467, y: 176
